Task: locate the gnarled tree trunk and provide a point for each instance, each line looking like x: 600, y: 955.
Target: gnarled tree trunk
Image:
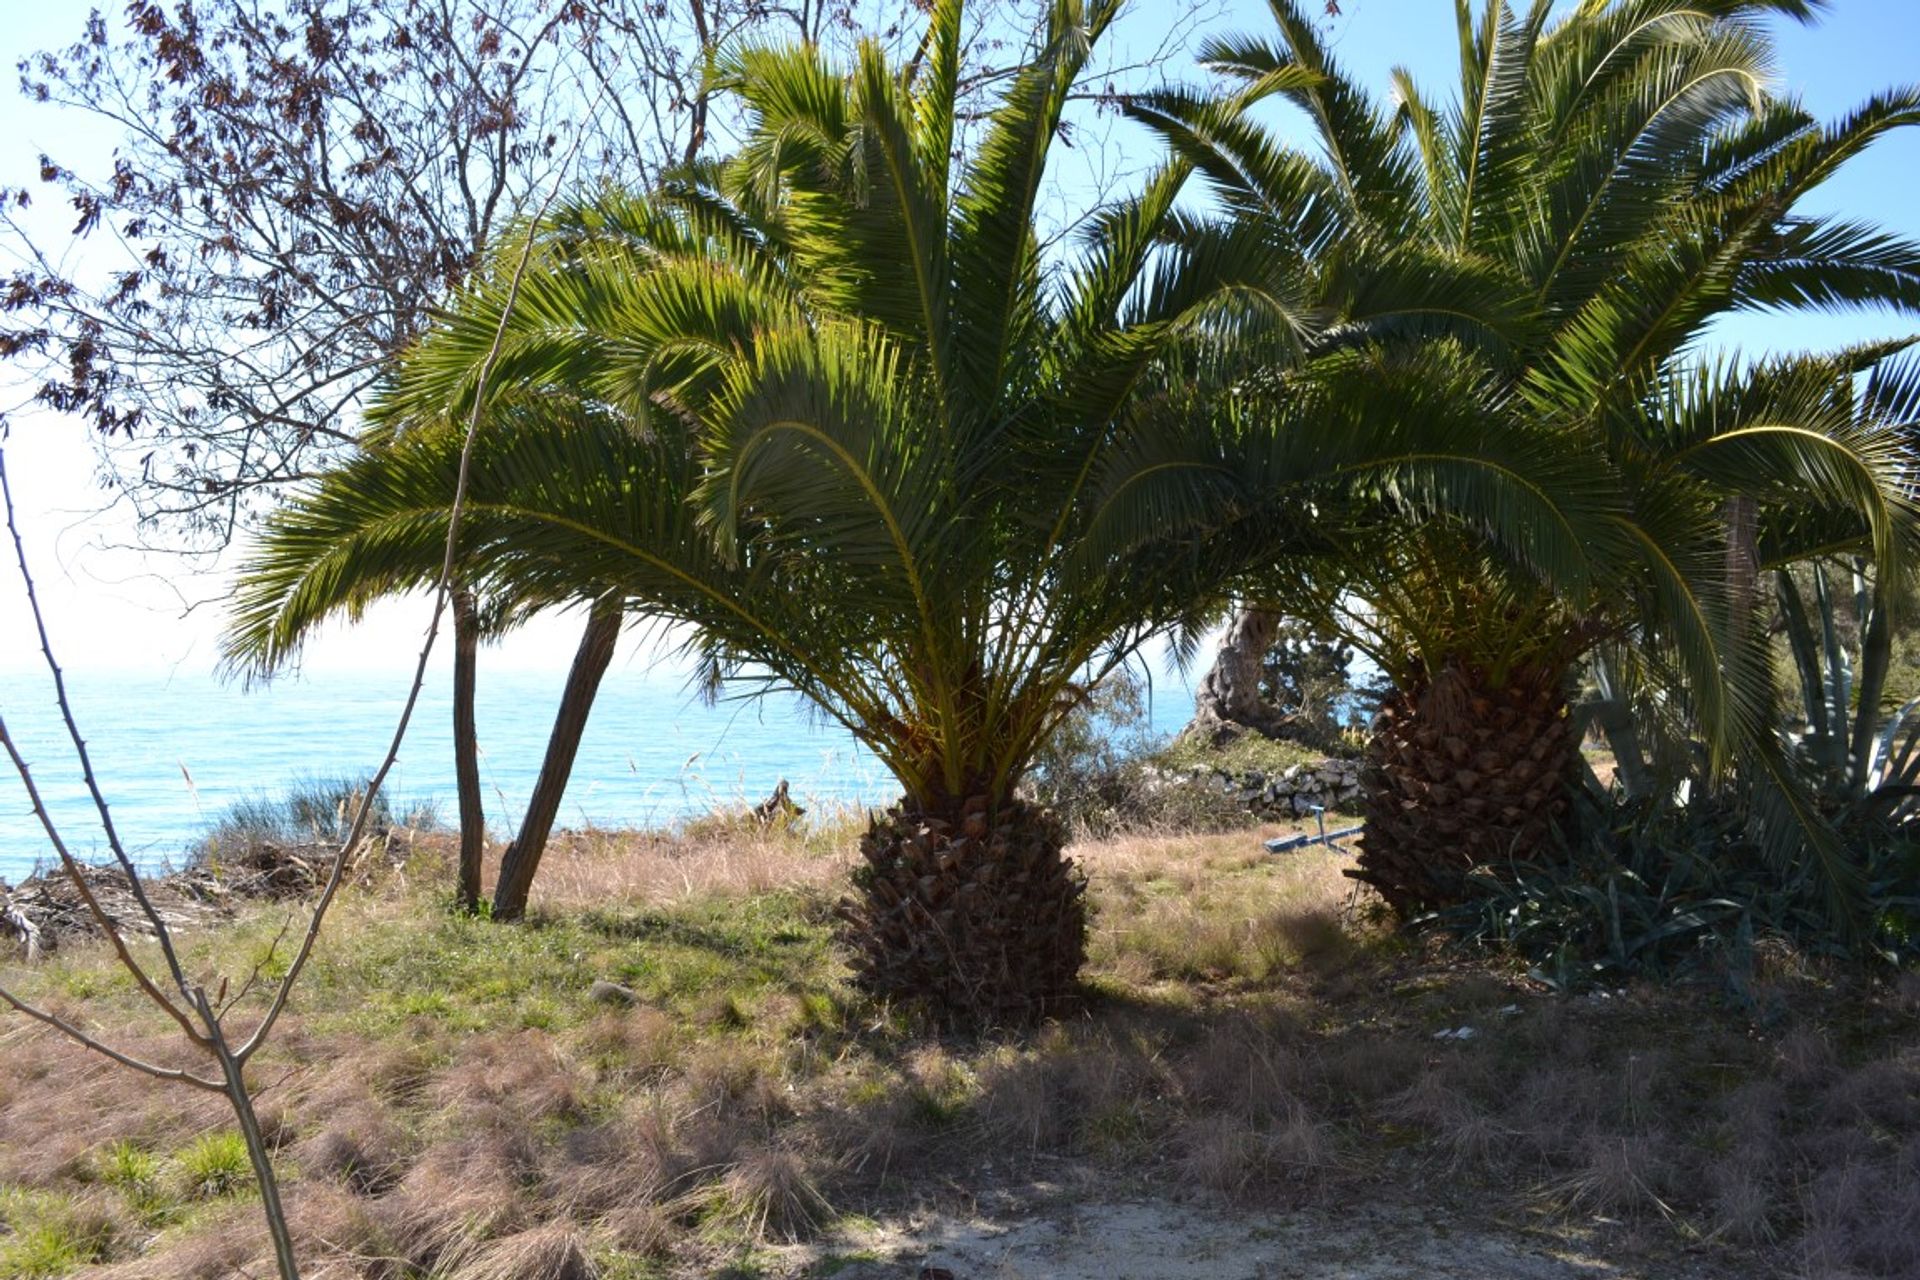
x: 973, y: 913
x: 1228, y: 703
x: 522, y: 859
x: 466, y: 750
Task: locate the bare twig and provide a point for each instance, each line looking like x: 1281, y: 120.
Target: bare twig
x: 98, y: 1046
x: 253, y: 978
x: 80, y: 745
x: 107, y: 924
x: 441, y: 593
x: 200, y: 1019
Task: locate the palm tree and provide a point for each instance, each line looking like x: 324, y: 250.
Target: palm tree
x: 1605, y: 184
x: 829, y: 411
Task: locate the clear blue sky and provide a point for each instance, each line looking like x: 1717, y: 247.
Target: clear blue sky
x: 115, y: 607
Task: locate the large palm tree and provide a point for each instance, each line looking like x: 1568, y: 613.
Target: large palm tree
x: 829, y: 411
x: 1604, y: 184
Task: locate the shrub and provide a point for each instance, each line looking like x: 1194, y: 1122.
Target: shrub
x: 1308, y: 677
x: 1100, y: 771
x: 312, y: 810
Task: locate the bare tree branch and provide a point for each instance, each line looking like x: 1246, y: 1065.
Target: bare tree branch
x: 296, y: 182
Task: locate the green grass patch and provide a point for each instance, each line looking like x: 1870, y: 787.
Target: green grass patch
x: 44, y: 1235
x: 214, y: 1165
x: 139, y: 1175
x: 1246, y: 754
x: 714, y: 962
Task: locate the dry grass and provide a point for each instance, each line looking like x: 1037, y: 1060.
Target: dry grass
x: 545, y: 1253
x: 451, y: 1104
x: 726, y: 856
x: 1174, y: 908
x: 768, y: 1194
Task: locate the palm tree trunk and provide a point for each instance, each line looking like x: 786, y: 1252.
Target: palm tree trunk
x: 972, y: 912
x: 522, y: 859
x: 1741, y: 516
x: 1461, y: 774
x: 1228, y: 703
x: 466, y: 750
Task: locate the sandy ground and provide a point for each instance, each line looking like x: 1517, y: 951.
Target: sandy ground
x: 1157, y: 1240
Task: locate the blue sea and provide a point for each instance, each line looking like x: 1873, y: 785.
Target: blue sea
x: 173, y: 752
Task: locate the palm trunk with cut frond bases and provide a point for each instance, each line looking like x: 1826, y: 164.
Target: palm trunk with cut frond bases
x: 1465, y: 772
x: 972, y: 912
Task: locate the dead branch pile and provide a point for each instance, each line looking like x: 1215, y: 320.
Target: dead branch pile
x: 47, y: 908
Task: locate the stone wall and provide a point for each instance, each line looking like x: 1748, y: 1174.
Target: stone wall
x: 1294, y: 791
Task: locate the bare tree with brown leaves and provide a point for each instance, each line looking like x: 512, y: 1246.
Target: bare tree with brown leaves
x: 294, y: 185
x: 203, y: 1016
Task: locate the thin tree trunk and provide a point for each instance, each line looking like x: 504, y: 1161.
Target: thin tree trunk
x: 1741, y: 516
x: 1876, y: 655
x: 697, y: 115
x: 1228, y: 703
x: 466, y: 749
x: 233, y: 1076
x: 522, y: 858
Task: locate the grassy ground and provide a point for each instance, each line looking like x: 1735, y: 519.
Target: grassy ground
x: 449, y: 1101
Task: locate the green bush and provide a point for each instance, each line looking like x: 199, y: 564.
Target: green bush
x: 312, y: 810
x: 1097, y: 772
x: 1308, y: 676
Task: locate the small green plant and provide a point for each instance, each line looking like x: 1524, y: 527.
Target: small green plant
x: 42, y: 1251
x: 214, y: 1165
x: 44, y: 1236
x: 124, y: 1165
x: 139, y: 1176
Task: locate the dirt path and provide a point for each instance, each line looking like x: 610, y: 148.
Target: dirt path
x: 1157, y: 1240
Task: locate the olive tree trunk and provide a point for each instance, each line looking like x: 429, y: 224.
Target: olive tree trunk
x: 1228, y: 703
x: 521, y: 861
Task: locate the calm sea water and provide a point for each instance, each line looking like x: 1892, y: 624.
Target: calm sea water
x: 172, y: 753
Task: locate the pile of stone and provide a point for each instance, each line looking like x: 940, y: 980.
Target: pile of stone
x: 1293, y: 792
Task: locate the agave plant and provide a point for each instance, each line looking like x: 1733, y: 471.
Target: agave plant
x: 827, y: 411
x: 1860, y: 761
x: 1609, y: 179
